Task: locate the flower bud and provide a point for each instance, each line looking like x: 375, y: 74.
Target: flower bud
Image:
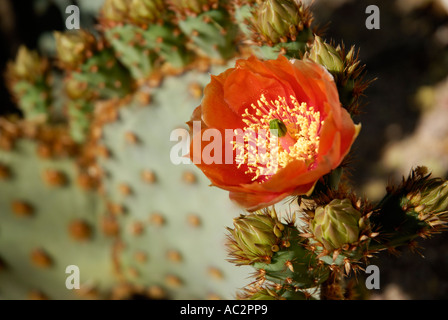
x: 431, y: 198
x: 146, y: 11
x: 27, y: 66
x: 73, y: 48
x: 336, y: 224
x: 326, y: 55
x: 279, y: 20
x: 115, y: 10
x: 254, y: 238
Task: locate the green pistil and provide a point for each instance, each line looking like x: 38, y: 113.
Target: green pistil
x: 277, y: 128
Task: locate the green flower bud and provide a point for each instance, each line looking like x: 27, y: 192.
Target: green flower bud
x: 326, y: 55
x: 254, y: 238
x: 73, y: 48
x: 431, y: 198
x: 276, y: 20
x: 336, y: 224
x: 28, y: 66
x: 146, y: 11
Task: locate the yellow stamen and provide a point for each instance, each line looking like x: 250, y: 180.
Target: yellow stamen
x: 263, y: 151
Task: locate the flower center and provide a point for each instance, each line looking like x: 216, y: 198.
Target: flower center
x: 277, y: 128
x: 276, y: 133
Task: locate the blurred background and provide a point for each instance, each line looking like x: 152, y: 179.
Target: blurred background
x: 404, y: 120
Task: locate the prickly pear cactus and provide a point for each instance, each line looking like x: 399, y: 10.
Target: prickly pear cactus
x: 50, y: 220
x: 118, y: 183
x: 96, y: 175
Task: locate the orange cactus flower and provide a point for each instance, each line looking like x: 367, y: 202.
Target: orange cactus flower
x: 287, y: 129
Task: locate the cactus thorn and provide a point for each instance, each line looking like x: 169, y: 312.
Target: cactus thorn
x: 140, y: 257
x: 54, y: 178
x: 37, y: 295
x: 137, y: 228
x: 189, y: 177
x: 21, y: 208
x: 131, y: 137
x: 79, y: 230
x: 215, y: 273
x: 41, y: 259
x: 110, y: 226
x: 174, y: 256
x: 194, y: 220
x: 157, y: 219
x: 173, y: 281
x: 289, y: 264
x: 156, y: 292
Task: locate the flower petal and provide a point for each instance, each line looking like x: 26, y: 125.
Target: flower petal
x: 220, y: 173
x: 256, y: 201
x: 243, y: 88
x: 215, y: 111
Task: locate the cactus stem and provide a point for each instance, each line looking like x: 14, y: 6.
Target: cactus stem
x: 288, y: 264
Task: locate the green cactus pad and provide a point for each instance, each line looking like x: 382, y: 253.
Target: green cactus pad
x: 294, y: 265
x: 139, y: 62
x: 34, y: 99
x: 212, y: 33
x: 105, y: 76
x: 49, y: 223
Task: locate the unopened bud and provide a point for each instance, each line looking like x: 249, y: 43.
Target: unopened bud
x: 74, y: 47
x: 115, y: 10
x: 432, y: 197
x: 146, y: 11
x: 27, y: 66
x: 336, y: 224
x: 278, y: 20
x: 254, y: 237
x: 326, y: 55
